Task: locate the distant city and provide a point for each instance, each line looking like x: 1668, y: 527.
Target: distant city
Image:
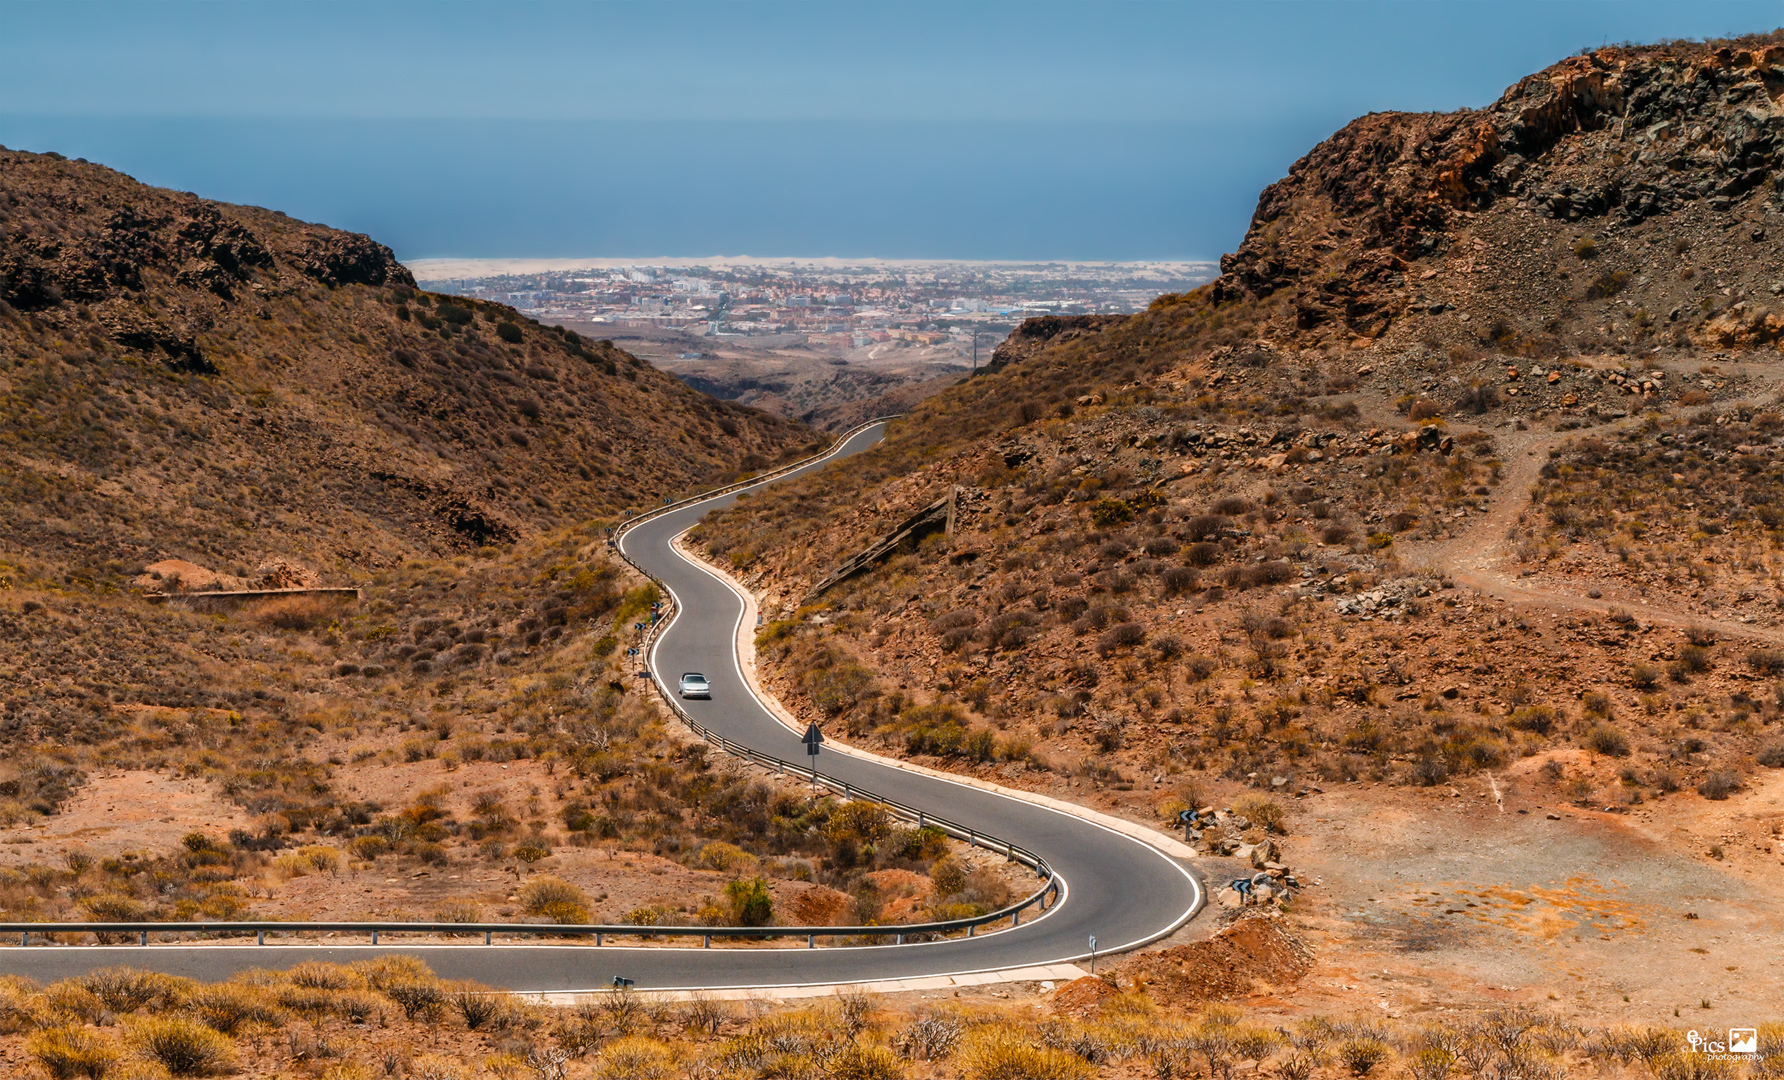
x: 826, y: 302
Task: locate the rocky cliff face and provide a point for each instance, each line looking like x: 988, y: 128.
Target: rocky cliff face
x: 1613, y: 152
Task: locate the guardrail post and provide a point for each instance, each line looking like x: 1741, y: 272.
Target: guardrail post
x: 259, y: 937
x: 486, y: 937
x: 919, y: 819
x: 1012, y: 851
x: 972, y: 838
x: 811, y: 941
x: 971, y: 929
x: 1016, y: 917
x: 25, y: 938
x: 708, y: 944
x: 374, y: 937
x: 598, y: 940
x: 899, y: 939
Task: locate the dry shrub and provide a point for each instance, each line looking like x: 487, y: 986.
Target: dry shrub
x: 313, y: 859
x: 932, y: 1036
x: 1202, y: 554
x: 391, y: 967
x: 21, y: 1009
x: 857, y: 1062
x: 1004, y: 1052
x: 1263, y: 811
x: 707, y: 1013
x: 1607, y: 740
x: 556, y: 898
x: 358, y: 1007
x: 477, y: 1004
x: 1125, y: 635
x: 1719, y: 785
x: 1204, y: 527
x: 416, y: 997
x: 308, y: 1001
x: 1537, y: 718
x: 635, y: 1057
x: 183, y: 1046
x: 718, y: 855
x: 126, y: 989
x: 319, y: 975
x: 436, y: 1067
x: 1362, y: 1054
x: 1180, y: 579
x: 293, y: 612
x: 947, y: 875
x: 69, y: 1052
x: 369, y: 847
x: 71, y: 1002
x: 225, y: 1007
x: 458, y: 911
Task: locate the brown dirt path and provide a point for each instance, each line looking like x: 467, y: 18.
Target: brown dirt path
x: 1477, y: 556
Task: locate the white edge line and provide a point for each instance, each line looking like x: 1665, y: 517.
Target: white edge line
x: 1026, y: 973
x: 1197, y: 892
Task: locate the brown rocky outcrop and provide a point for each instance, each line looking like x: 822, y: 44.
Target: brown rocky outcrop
x: 1604, y: 141
x: 109, y: 231
x: 1037, y: 333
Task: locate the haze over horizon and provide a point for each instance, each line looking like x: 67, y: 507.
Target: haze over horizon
x: 982, y: 132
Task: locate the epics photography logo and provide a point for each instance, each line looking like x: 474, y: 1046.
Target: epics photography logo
x: 1740, y: 1041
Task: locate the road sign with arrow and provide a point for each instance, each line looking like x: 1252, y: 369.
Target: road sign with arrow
x: 813, y: 738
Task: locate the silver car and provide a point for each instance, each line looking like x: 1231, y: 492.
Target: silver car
x: 693, y: 685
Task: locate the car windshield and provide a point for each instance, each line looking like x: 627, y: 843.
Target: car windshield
x: 693, y: 676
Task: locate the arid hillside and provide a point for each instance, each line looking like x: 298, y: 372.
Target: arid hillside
x: 226, y: 385
x: 1618, y: 201
x: 201, y: 397
x: 1451, y: 484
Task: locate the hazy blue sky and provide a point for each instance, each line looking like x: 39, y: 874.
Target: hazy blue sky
x: 964, y: 130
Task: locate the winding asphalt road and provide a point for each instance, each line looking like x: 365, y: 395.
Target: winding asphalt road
x: 1122, y: 891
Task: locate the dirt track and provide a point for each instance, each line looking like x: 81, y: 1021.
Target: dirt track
x: 1476, y: 557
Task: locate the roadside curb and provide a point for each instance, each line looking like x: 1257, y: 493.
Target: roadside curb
x: 746, y: 655
x: 1055, y: 973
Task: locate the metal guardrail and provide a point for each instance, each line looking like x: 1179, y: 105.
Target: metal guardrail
x: 909, y: 813
x: 1042, y: 898
x: 600, y: 933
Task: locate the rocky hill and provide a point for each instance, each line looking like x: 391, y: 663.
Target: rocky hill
x: 198, y: 397
x: 225, y: 385
x: 1626, y: 198
x: 1438, y: 477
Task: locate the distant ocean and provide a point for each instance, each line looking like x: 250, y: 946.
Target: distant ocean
x: 1110, y: 191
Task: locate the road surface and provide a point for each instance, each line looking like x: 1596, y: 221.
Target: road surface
x: 1117, y: 889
